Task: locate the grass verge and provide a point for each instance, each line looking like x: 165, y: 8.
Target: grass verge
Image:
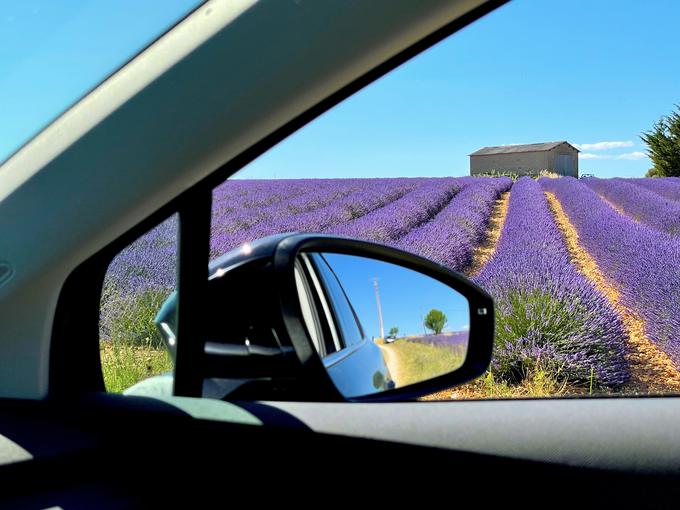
x: 124, y: 365
x: 537, y: 384
x: 411, y: 362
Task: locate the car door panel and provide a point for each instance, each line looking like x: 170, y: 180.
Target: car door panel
x: 202, y: 459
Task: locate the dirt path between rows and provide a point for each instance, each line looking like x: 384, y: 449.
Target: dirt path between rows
x: 483, y: 253
x: 651, y: 369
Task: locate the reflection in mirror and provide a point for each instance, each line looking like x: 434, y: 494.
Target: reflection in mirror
x: 377, y: 325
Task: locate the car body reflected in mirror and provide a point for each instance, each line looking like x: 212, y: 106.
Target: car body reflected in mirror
x: 379, y: 326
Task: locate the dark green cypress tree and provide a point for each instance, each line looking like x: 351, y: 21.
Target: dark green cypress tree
x: 663, y: 146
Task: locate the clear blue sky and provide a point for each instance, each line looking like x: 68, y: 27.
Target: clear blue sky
x: 406, y: 296
x: 585, y: 71
x: 532, y: 71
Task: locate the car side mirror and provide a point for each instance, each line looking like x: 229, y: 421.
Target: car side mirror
x: 315, y: 317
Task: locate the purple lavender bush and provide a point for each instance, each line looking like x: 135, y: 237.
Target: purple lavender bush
x: 667, y: 187
x: 642, y: 262
x: 322, y: 204
x: 139, y: 279
x: 245, y: 200
x: 254, y: 219
x: 548, y: 315
x: 393, y: 221
x: 640, y: 203
x: 452, y: 235
x: 372, y: 195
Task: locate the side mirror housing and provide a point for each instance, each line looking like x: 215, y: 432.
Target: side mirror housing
x: 317, y: 317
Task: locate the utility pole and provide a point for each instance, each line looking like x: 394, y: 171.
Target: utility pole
x: 377, y: 299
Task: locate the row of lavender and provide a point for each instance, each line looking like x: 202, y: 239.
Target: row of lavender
x: 549, y: 316
x: 667, y: 187
x: 641, y: 260
x: 648, y: 201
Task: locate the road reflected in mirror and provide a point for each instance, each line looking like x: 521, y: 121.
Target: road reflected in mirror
x: 379, y: 326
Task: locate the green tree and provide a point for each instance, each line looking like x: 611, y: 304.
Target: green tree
x: 393, y: 332
x: 663, y: 145
x: 435, y: 320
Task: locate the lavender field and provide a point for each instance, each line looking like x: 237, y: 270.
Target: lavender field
x: 609, y: 324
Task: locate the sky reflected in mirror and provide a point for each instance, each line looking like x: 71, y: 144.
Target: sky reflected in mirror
x: 406, y: 297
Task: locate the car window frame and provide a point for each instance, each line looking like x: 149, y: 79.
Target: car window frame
x: 318, y: 260
x: 74, y: 360
x: 332, y: 329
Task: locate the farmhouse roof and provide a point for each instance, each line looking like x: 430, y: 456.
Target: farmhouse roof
x: 529, y: 147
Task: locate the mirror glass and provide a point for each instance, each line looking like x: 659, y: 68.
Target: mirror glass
x: 377, y: 325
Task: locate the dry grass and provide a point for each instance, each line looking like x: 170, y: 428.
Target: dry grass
x: 651, y: 369
x: 537, y: 384
x: 483, y: 253
x: 124, y: 365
